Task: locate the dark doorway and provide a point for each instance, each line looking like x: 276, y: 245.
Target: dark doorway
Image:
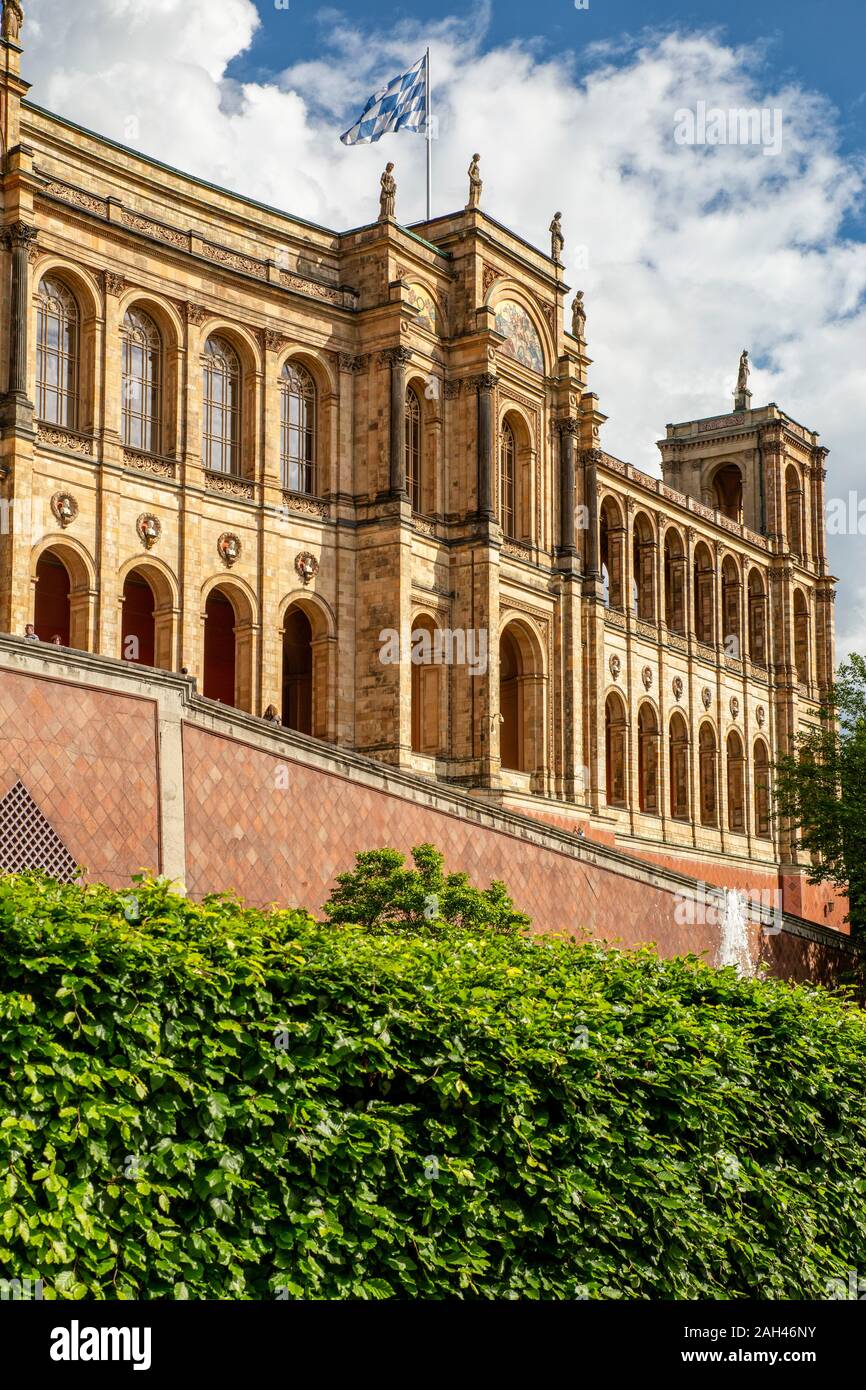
x: 219, y: 648
x: 298, y: 672
x: 51, y: 615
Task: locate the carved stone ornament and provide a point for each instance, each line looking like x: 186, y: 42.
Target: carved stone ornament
x: 114, y: 284
x: 149, y: 529
x: 760, y: 715
x: 306, y: 567
x: 646, y: 676
x: 707, y: 696
x: 229, y: 548
x: 615, y: 667
x: 677, y: 687
x: 196, y: 314
x: 64, y: 508
x: 274, y: 341
x: 735, y: 707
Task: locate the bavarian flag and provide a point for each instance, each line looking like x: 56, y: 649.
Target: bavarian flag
x: 399, y: 106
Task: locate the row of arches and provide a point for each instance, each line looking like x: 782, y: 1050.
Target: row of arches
x: 148, y: 628
x: 740, y: 624
x: 724, y: 490
x: 149, y: 344
x: 709, y: 811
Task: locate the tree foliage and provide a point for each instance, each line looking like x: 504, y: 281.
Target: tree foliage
x: 380, y: 893
x: 202, y: 1101
x: 821, y: 788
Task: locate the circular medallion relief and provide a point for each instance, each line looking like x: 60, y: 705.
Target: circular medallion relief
x: 64, y: 508
x: 149, y: 529
x: 229, y: 548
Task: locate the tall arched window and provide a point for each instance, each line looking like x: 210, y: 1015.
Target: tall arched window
x: 644, y: 569
x: 221, y: 425
x: 794, y: 509
x: 707, y: 757
x: 648, y: 759
x: 507, y: 480
x: 728, y: 492
x: 297, y: 429
x: 801, y: 637
x: 731, y: 636
x: 615, y: 734
x: 611, y: 537
x: 705, y: 596
x: 413, y: 449
x: 757, y: 619
x: 679, y: 767
x: 736, y: 783
x: 762, y: 790
x: 675, y: 582
x: 142, y: 382
x: 57, y: 338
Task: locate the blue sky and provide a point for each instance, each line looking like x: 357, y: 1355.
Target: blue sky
x: 822, y: 44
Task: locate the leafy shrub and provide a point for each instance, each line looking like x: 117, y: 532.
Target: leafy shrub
x: 206, y: 1102
x: 382, y: 895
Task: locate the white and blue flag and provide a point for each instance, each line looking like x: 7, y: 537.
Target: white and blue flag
x: 399, y: 106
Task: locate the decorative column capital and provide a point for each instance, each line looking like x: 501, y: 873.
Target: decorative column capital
x: 19, y: 235
x: 487, y: 381
x: 568, y: 426
x: 395, y: 356
x: 114, y: 284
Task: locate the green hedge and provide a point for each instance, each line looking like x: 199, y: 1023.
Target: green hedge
x: 205, y: 1102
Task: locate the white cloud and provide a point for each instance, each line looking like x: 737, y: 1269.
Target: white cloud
x: 693, y: 253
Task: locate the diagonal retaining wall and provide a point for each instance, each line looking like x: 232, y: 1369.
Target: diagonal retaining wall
x: 134, y: 770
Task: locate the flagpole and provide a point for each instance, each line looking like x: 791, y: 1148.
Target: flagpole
x: 429, y: 139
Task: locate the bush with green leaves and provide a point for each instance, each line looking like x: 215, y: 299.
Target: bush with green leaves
x: 202, y: 1101
x: 381, y: 894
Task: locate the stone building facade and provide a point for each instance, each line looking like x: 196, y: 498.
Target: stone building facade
x: 285, y: 459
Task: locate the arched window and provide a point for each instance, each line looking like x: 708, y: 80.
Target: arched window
x: 426, y: 689
x: 707, y: 758
x: 801, y: 637
x: 679, y: 767
x: 615, y: 750
x: 612, y: 553
x: 221, y: 427
x: 705, y: 600
x: 728, y: 492
x: 736, y: 783
x: 762, y: 790
x: 675, y: 582
x: 731, y: 608
x: 757, y: 619
x: 648, y: 759
x: 644, y: 569
x: 794, y: 510
x: 57, y: 339
x: 142, y: 382
x: 507, y: 480
x: 413, y: 449
x: 297, y: 429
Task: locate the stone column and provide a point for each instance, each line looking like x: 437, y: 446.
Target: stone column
x: 485, y: 386
x: 568, y: 430
x: 397, y: 358
x: 18, y: 407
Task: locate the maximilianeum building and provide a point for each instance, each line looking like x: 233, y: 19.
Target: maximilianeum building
x: 240, y: 444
